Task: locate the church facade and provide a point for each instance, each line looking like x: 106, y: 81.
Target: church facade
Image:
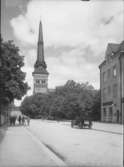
x: 40, y: 74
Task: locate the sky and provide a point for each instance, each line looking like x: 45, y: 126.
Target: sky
x: 76, y: 35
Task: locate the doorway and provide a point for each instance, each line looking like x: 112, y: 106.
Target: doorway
x: 117, y: 116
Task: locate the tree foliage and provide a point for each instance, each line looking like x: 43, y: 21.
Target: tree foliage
x: 12, y: 85
x: 35, y: 105
x: 66, y: 102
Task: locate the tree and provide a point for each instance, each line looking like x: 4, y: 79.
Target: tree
x: 68, y: 101
x: 71, y: 106
x: 36, y: 105
x: 12, y: 85
x: 96, y: 114
x: 56, y: 110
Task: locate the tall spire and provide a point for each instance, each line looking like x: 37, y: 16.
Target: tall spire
x: 40, y: 33
x: 40, y: 74
x: 40, y: 49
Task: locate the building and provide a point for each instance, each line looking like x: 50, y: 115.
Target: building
x: 40, y: 74
x: 112, y: 84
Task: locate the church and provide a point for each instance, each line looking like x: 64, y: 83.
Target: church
x: 40, y: 74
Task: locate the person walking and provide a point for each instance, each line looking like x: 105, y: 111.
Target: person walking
x: 23, y: 120
x: 19, y: 119
x: 12, y: 120
x: 28, y: 121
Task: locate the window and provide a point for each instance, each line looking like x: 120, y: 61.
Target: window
x: 37, y: 81
x: 104, y: 77
x: 109, y: 90
x: 104, y: 93
x: 117, y: 116
x: 109, y: 73
x: 43, y: 81
x: 114, y: 71
x: 110, y: 114
x: 104, y: 110
x: 104, y: 114
x: 114, y: 90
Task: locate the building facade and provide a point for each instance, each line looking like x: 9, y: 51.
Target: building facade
x: 112, y: 84
x: 40, y: 74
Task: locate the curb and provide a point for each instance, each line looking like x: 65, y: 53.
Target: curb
x: 118, y: 133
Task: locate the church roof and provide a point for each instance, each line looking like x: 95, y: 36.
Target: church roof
x: 40, y: 64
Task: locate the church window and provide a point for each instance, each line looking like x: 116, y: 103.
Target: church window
x: 37, y: 81
x: 43, y: 83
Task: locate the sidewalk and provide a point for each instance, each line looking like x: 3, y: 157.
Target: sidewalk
x: 19, y: 149
x: 108, y: 127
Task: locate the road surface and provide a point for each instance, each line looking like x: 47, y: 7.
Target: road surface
x: 51, y: 143
x: 81, y: 147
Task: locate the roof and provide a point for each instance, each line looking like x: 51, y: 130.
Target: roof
x: 114, y: 47
x: 102, y: 64
x: 112, y: 50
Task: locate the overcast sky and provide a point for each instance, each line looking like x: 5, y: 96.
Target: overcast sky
x: 75, y: 34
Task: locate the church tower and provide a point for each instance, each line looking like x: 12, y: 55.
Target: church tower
x: 40, y: 74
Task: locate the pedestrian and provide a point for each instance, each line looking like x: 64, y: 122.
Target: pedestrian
x: 23, y: 120
x: 19, y: 119
x: 28, y: 121
x: 10, y: 120
x: 14, y: 120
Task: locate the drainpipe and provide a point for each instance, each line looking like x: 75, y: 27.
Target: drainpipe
x: 121, y: 86
x: 101, y: 107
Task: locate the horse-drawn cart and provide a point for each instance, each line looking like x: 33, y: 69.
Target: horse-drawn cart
x: 82, y: 122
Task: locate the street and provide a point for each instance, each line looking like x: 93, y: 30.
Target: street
x: 52, y: 143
